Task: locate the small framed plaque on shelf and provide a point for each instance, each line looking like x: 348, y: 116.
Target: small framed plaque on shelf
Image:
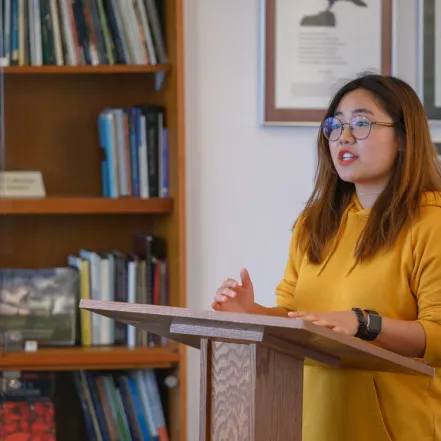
x: 22, y: 184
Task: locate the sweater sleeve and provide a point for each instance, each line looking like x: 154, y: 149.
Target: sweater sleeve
x: 426, y: 281
x: 286, y: 287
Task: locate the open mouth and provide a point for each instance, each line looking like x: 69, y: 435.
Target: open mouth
x: 346, y: 157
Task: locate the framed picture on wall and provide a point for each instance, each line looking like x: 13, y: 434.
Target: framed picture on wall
x: 309, y: 48
x: 430, y: 57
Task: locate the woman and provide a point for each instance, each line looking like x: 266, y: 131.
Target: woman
x: 365, y: 261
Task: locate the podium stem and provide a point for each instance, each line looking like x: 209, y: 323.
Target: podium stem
x: 249, y: 392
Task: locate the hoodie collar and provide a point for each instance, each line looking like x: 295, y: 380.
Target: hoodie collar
x: 357, y: 208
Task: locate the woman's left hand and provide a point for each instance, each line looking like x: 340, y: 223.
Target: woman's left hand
x: 343, y: 322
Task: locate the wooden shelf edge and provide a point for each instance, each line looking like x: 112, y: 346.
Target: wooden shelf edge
x: 78, y: 358
x: 100, y: 69
x: 84, y: 205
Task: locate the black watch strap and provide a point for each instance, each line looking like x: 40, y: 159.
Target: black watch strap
x: 361, y: 322
x: 373, y: 325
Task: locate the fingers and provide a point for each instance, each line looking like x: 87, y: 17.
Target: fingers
x: 334, y: 326
x: 313, y: 318
x: 332, y: 321
x: 297, y: 314
x: 225, y: 292
x: 220, y: 298
x: 216, y: 306
x: 229, y: 283
x: 245, y: 278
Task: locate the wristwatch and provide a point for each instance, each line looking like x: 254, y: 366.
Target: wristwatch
x: 373, y: 325
x: 361, y: 322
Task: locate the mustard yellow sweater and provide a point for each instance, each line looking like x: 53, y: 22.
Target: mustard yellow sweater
x: 403, y: 283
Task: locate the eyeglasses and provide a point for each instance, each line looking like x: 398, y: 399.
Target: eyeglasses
x: 360, y: 127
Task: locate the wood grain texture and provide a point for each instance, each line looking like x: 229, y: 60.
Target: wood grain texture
x: 174, y: 226
x: 278, y: 397
x: 205, y: 391
x: 75, y: 358
x: 51, y: 125
x: 239, y: 332
x: 84, y: 205
x: 162, y: 328
x: 301, y: 352
x: 46, y: 240
x: 350, y: 352
x: 232, y: 395
x: 249, y: 393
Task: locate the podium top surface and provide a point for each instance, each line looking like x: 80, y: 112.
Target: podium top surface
x: 294, y: 336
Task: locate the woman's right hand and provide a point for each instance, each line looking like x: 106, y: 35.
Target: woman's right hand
x: 234, y: 297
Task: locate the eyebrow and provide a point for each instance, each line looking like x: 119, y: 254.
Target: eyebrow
x: 355, y: 111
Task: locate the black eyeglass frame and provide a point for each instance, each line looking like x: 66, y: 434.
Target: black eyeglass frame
x: 366, y: 119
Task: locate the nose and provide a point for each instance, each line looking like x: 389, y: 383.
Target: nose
x: 346, y: 136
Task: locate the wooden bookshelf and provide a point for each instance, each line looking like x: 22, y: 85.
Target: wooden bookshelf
x: 86, y: 205
x: 76, y: 358
x: 77, y: 70
x: 50, y: 125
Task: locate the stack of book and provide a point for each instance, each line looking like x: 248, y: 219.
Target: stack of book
x: 121, y: 406
x: 134, y: 143
x: 81, y: 32
x: 137, y: 277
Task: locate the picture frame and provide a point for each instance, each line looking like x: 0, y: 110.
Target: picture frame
x: 289, y: 72
x: 429, y: 51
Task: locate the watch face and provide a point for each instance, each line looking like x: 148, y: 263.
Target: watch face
x: 374, y: 324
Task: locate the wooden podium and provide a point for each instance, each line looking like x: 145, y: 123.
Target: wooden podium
x: 252, y: 365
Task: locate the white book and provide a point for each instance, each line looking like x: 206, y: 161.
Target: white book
x: 131, y: 298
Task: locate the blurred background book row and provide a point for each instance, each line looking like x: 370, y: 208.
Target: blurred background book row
x: 134, y: 143
x: 43, y: 303
x: 82, y: 32
x: 115, y: 406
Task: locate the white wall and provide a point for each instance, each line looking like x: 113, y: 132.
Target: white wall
x: 245, y: 183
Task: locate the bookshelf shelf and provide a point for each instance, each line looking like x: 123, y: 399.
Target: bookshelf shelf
x: 69, y: 359
x: 79, y: 125
x: 85, y: 205
x: 87, y: 69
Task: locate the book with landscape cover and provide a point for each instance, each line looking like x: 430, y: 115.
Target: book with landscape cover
x: 39, y: 304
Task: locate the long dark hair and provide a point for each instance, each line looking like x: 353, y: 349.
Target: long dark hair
x: 415, y: 171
